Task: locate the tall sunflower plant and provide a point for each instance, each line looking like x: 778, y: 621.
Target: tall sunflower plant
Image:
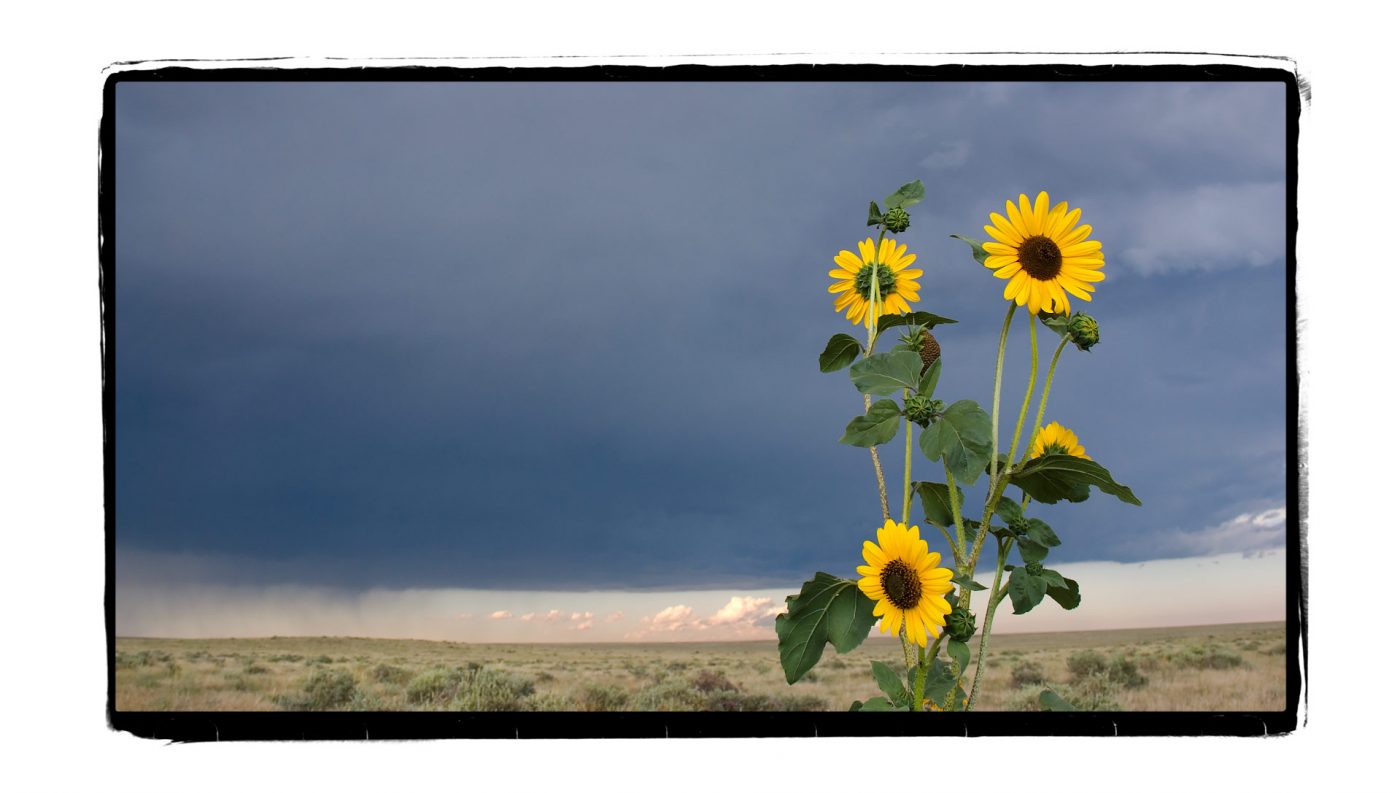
x: 919, y: 595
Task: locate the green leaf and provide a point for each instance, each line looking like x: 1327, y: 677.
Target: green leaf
x: 1026, y: 590
x: 906, y: 196
x: 1053, y: 579
x: 1008, y: 509
x: 891, y: 683
x: 940, y: 682
x: 1067, y: 596
x: 930, y: 379
x: 913, y: 318
x: 1031, y: 551
x: 1041, y: 532
x: 967, y: 583
x: 1049, y: 700
x: 958, y: 651
x: 875, y: 216
x: 839, y: 352
x: 828, y: 609
x: 877, y: 426
x: 875, y: 705
x: 938, y: 509
x: 886, y: 372
x: 1056, y: 477
x: 1059, y: 323
x: 977, y: 252
x: 962, y: 437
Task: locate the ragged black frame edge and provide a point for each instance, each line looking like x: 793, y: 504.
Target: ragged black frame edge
x: 194, y: 726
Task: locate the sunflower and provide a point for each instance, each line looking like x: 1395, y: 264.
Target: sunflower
x: 1043, y: 254
x: 902, y: 576
x: 1054, y: 439
x: 896, y: 280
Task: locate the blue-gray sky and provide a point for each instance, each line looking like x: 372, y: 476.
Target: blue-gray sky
x: 535, y: 336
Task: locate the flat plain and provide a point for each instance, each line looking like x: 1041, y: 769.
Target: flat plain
x: 1200, y: 668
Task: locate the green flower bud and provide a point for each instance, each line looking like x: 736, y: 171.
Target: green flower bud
x: 896, y: 220
x: 961, y: 624
x: 1083, y: 331
x: 919, y: 409
x: 1019, y: 526
x: 1035, y: 568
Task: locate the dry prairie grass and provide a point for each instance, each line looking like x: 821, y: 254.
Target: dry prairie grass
x: 1182, y: 668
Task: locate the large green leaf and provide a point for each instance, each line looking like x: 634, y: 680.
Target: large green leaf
x: 1026, y: 590
x: 1056, y: 477
x: 977, y: 252
x: 839, y: 352
x: 913, y: 318
x: 1041, y: 532
x: 1031, y: 551
x: 961, y: 437
x: 1008, y: 509
x: 906, y: 196
x: 892, y: 683
x: 876, y: 705
x: 1049, y: 700
x: 967, y: 583
x: 886, y: 372
x: 938, y: 508
x: 930, y: 379
x: 1067, y: 596
x: 828, y: 609
x: 877, y: 426
x: 875, y: 216
x: 958, y: 651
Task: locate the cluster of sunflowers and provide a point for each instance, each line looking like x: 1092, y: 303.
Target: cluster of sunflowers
x: 1045, y: 255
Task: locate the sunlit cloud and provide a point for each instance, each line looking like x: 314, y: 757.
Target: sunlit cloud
x: 500, y: 615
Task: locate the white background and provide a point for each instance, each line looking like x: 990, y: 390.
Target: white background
x: 52, y: 657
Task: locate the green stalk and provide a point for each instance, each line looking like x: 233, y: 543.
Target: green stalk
x: 1030, y: 389
x: 996, y: 384
x: 960, y: 552
x: 1045, y: 396
x: 994, y: 597
x: 872, y: 321
x: 908, y: 461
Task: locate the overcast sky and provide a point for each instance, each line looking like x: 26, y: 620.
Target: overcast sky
x: 533, y: 336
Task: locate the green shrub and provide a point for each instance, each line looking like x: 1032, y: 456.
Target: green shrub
x: 799, y: 702
x: 490, y: 690
x: 733, y: 701
x: 255, y: 669
x: 1027, y: 697
x: 435, y: 687
x: 284, y: 657
x: 325, y: 690
x: 599, y: 699
x: 667, y: 696
x: 1125, y: 673
x: 550, y: 703
x: 1095, y: 692
x: 707, y: 681
x: 1209, y: 657
x: 392, y: 675
x: 1028, y: 674
x: 1085, y: 663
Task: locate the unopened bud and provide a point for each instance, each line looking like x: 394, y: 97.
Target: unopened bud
x: 896, y: 220
x: 1083, y: 331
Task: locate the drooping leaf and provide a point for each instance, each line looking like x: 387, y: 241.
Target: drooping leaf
x: 891, y: 683
x: 977, y: 252
x: 1049, y: 700
x: 1008, y: 509
x: 906, y: 196
x: 940, y: 681
x: 930, y: 379
x: 1056, y: 477
x: 839, y: 352
x: 875, y: 216
x: 958, y: 651
x: 875, y: 705
x: 1031, y: 551
x: 1067, y: 596
x: 1053, y: 579
x: 967, y: 583
x: 913, y: 318
x: 938, y: 508
x: 1059, y: 323
x: 961, y: 437
x: 1041, y: 532
x: 877, y: 426
x: 886, y: 372
x: 828, y: 609
x: 1026, y: 590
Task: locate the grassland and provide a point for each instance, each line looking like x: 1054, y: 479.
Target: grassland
x: 1209, y: 668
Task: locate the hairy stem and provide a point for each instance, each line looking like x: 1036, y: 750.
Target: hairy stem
x: 1026, y: 401
x: 872, y: 321
x: 996, y: 385
x: 960, y: 552
x: 908, y: 462
x: 994, y: 597
x: 1044, y: 397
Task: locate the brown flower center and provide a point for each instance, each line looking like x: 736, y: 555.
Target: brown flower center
x: 901, y: 584
x: 1040, y: 257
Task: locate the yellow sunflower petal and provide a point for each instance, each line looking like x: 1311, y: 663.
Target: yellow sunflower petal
x: 999, y: 248
x: 1066, y: 223
x: 1075, y: 236
x: 841, y: 286
x: 1023, y: 293
x: 909, y: 275
x: 1018, y: 223
x: 1014, y: 285
x: 1028, y: 216
x: 848, y: 261
x: 1000, y: 236
x: 1080, y: 248
x: 1013, y: 235
x: 1042, y: 211
x: 867, y: 250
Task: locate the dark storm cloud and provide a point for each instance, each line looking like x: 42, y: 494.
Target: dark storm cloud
x: 564, y: 335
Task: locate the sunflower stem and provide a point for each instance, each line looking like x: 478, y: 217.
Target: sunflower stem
x: 1026, y: 401
x: 994, y: 597
x: 960, y: 552
x: 908, y: 461
x: 871, y: 323
x: 1044, y: 398
x: 957, y: 557
x: 996, y: 385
